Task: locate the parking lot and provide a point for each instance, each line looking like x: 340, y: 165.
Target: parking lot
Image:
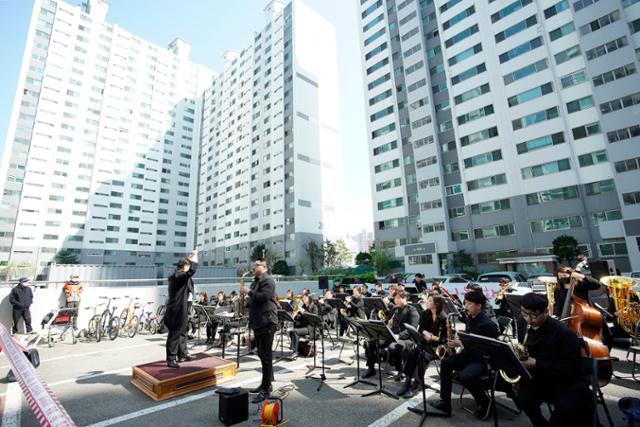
x: 92, y: 381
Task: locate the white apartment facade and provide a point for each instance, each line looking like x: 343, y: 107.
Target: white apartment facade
x: 103, y: 143
x: 495, y: 128
x: 271, y: 164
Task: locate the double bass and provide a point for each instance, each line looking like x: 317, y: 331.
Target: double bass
x: 586, y: 322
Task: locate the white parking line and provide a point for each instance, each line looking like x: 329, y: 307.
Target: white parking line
x: 183, y: 400
x: 12, y: 406
x: 401, y: 410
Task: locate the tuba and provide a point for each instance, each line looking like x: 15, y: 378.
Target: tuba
x: 550, y: 286
x: 625, y: 299
x: 521, y: 353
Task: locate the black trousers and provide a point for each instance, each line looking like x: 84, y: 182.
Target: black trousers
x: 470, y: 372
x: 572, y: 406
x: 212, y: 327
x: 411, y: 362
x: 21, y: 313
x: 295, y: 334
x: 264, y: 342
x: 399, y: 351
x: 177, y: 342
x: 76, y: 305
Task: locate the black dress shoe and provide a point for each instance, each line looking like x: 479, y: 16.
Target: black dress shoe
x: 294, y: 356
x: 399, y: 377
x: 261, y: 396
x: 406, y: 387
x: 482, y: 411
x: 370, y: 373
x: 441, y: 406
x: 187, y: 358
x: 172, y: 364
x: 260, y: 388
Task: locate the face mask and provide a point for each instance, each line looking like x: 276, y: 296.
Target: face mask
x: 565, y: 280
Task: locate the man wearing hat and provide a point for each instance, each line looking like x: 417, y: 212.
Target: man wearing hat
x: 21, y: 298
x: 72, y: 290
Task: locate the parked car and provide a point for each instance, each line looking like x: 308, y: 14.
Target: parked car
x: 490, y: 283
x: 635, y: 274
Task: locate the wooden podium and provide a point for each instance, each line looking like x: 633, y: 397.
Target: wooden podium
x: 160, y: 382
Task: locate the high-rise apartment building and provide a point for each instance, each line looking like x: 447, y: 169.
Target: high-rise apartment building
x: 103, y: 143
x: 270, y: 163
x: 495, y: 128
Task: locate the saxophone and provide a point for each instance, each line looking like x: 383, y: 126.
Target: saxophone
x: 241, y: 309
x: 522, y: 354
x: 443, y: 350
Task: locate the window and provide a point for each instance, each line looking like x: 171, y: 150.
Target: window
x: 489, y: 181
x: 473, y: 93
x: 479, y: 136
x: 379, y: 81
x: 494, y: 231
x: 380, y: 114
x: 534, y: 118
x: 600, y: 23
x: 420, y: 259
x: 612, y: 215
x: 555, y: 224
x: 481, y: 159
x: 574, y: 78
x: 380, y: 97
x: 433, y: 228
x: 586, y: 130
x: 486, y: 207
x: 487, y: 110
x: 427, y: 183
x: 599, y: 187
x: 530, y: 94
x: 632, y: 198
x: 620, y: 103
x: 623, y: 134
x: 567, y: 54
x: 385, y: 147
x: 375, y: 51
x: 467, y: 53
x: 554, y: 195
x: 456, y: 212
x: 373, y: 22
x: 383, y: 130
x: 410, y: 69
x: 448, y: 5
x: 613, y: 249
x: 474, y: 71
x: 392, y: 203
x: 412, y: 87
x: 459, y: 236
x: 562, y: 31
x: 580, y: 104
x: 627, y: 165
x: 521, y: 49
x: 556, y: 8
x: 388, y: 184
x: 515, y: 29
x: 542, y: 142
x: 459, y: 17
x: 508, y: 10
x: 450, y: 190
x: 431, y: 160
x: 615, y: 74
x: 580, y: 4
x: 371, y: 9
x: 387, y: 166
x: 609, y: 47
x: 525, y: 71
x: 634, y: 26
x: 375, y: 67
x: 432, y: 204
x: 545, y: 169
x: 461, y: 35
x: 592, y: 158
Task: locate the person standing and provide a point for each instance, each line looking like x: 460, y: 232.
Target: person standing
x: 263, y: 319
x: 21, y: 298
x: 176, y: 317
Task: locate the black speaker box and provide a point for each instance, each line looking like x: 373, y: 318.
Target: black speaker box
x: 599, y: 269
x: 323, y: 282
x: 233, y: 406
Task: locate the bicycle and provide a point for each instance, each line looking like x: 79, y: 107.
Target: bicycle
x: 148, y: 320
x: 108, y: 323
x: 128, y: 319
x: 92, y: 326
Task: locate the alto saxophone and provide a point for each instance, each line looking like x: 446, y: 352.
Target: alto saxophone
x: 241, y: 309
x: 443, y: 350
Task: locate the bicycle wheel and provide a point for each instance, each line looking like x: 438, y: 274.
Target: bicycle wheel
x: 114, y: 328
x: 102, y: 326
x: 153, y: 326
x: 92, y: 326
x: 124, y: 315
x: 132, y: 329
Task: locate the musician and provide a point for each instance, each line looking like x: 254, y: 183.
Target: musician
x: 584, y: 284
x: 470, y: 368
x: 433, y: 326
x: 378, y: 292
x: 194, y: 320
x: 326, y: 311
x: 404, y: 313
x: 176, y: 317
x: 487, y: 308
x: 501, y: 298
x: 263, y: 319
x: 435, y: 287
x: 290, y: 296
x: 556, y: 366
x: 419, y: 283
x: 300, y: 325
x: 212, y: 325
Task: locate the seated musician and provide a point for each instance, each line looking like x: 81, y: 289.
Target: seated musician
x: 556, y: 366
x: 355, y: 308
x: 300, y: 325
x: 326, y: 311
x: 584, y: 284
x: 404, y: 313
x: 378, y: 292
x: 501, y: 298
x: 435, y: 287
x: 194, y: 321
x: 433, y: 326
x: 487, y: 308
x: 212, y: 325
x: 470, y: 369
x: 419, y: 283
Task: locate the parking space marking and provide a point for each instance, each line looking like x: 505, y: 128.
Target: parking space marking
x: 12, y: 406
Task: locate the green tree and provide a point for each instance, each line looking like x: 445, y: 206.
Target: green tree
x: 65, y: 256
x: 13, y: 269
x: 302, y: 264
x: 258, y: 251
x: 462, y: 260
x: 381, y: 260
x: 363, y: 258
x: 271, y: 258
x: 280, y: 267
x: 331, y: 254
x: 565, y: 247
x: 315, y: 254
x: 345, y: 256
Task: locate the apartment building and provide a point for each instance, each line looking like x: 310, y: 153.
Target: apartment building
x: 495, y: 128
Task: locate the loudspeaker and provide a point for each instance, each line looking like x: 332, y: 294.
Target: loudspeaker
x: 233, y: 405
x: 323, y: 283
x: 600, y: 268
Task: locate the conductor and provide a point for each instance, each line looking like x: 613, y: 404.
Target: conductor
x: 177, y: 313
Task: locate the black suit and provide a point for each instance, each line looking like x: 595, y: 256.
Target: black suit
x: 469, y: 367
x: 301, y: 327
x: 176, y: 317
x: 437, y: 328
x: 263, y: 319
x: 408, y: 314
x: 355, y: 308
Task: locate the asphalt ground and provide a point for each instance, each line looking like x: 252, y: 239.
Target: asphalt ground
x: 92, y: 381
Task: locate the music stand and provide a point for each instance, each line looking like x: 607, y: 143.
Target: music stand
x: 499, y: 356
x: 378, y: 331
x: 357, y: 326
x: 283, y: 317
x: 316, y: 322
x: 513, y: 302
x: 337, y: 304
x: 373, y: 305
x: 424, y: 348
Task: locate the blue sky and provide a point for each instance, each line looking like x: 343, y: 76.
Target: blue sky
x: 212, y: 27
